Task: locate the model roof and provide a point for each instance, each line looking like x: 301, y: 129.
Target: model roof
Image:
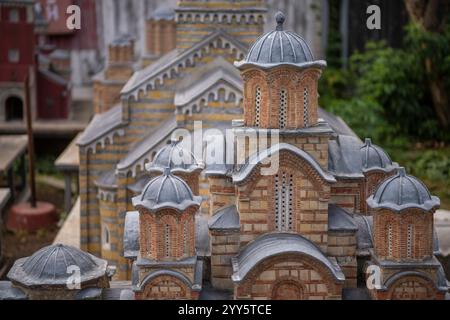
x: 167, y: 192
x: 350, y: 158
x: 225, y: 219
x: 270, y: 245
x: 403, y: 192
x: 280, y: 47
x: 49, y: 267
x: 175, y: 157
x: 340, y: 220
x: 101, y: 125
x: 256, y: 159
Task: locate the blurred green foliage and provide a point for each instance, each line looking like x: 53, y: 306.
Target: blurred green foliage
x: 384, y: 94
x: 45, y: 165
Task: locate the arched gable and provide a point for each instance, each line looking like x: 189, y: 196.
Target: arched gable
x: 251, y: 172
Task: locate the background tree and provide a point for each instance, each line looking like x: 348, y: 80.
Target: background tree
x: 431, y: 16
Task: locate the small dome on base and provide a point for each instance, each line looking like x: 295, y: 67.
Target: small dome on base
x: 403, y: 192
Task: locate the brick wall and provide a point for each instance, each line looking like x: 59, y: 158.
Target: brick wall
x: 221, y: 193
x: 106, y: 95
x: 421, y: 224
x: 161, y: 37
x: 342, y: 246
x: 288, y: 277
x: 409, y: 287
x: 256, y: 203
x: 110, y: 251
x: 153, y: 234
x: 166, y: 288
x: 224, y: 246
x: 271, y: 82
x: 190, y: 29
x: 92, y: 165
x: 121, y: 53
x: 248, y: 143
x: 346, y: 193
x: 373, y: 179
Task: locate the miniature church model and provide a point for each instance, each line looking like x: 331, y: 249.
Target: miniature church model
x: 304, y: 231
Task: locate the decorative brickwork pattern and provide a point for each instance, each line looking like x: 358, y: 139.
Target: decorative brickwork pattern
x: 298, y: 90
x: 167, y: 235
x: 310, y: 197
x: 288, y: 277
x: 166, y: 288
x: 405, y: 236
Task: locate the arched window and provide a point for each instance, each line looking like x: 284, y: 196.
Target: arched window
x: 148, y: 236
x: 258, y: 98
x: 409, y: 242
x: 186, y: 238
x: 106, y: 238
x: 13, y: 109
x: 167, y: 241
x: 306, y: 106
x: 284, y: 206
x: 390, y: 240
x: 283, y: 109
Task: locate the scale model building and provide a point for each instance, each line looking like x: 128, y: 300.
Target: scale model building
x: 336, y: 212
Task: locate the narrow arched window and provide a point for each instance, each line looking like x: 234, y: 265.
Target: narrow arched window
x: 148, y: 236
x: 277, y: 201
x: 390, y: 240
x: 306, y: 106
x: 167, y: 241
x: 283, y: 109
x: 258, y: 98
x: 284, y: 207
x: 409, y: 242
x: 186, y: 238
x: 106, y: 238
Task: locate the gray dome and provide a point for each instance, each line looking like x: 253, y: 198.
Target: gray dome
x: 166, y: 192
x: 403, y: 192
x: 373, y: 157
x: 50, y: 265
x: 176, y: 158
x: 280, y: 47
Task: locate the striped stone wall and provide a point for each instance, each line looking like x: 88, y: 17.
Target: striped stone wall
x: 92, y: 166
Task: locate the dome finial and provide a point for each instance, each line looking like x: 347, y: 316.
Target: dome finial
x: 401, y: 172
x: 280, y: 18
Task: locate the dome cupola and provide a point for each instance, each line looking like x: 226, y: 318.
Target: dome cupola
x: 50, y: 267
x: 176, y: 158
x: 166, y: 192
x: 403, y: 192
x: 280, y: 47
x: 373, y: 157
x: 281, y: 81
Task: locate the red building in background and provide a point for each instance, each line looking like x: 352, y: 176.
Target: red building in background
x: 19, y: 60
